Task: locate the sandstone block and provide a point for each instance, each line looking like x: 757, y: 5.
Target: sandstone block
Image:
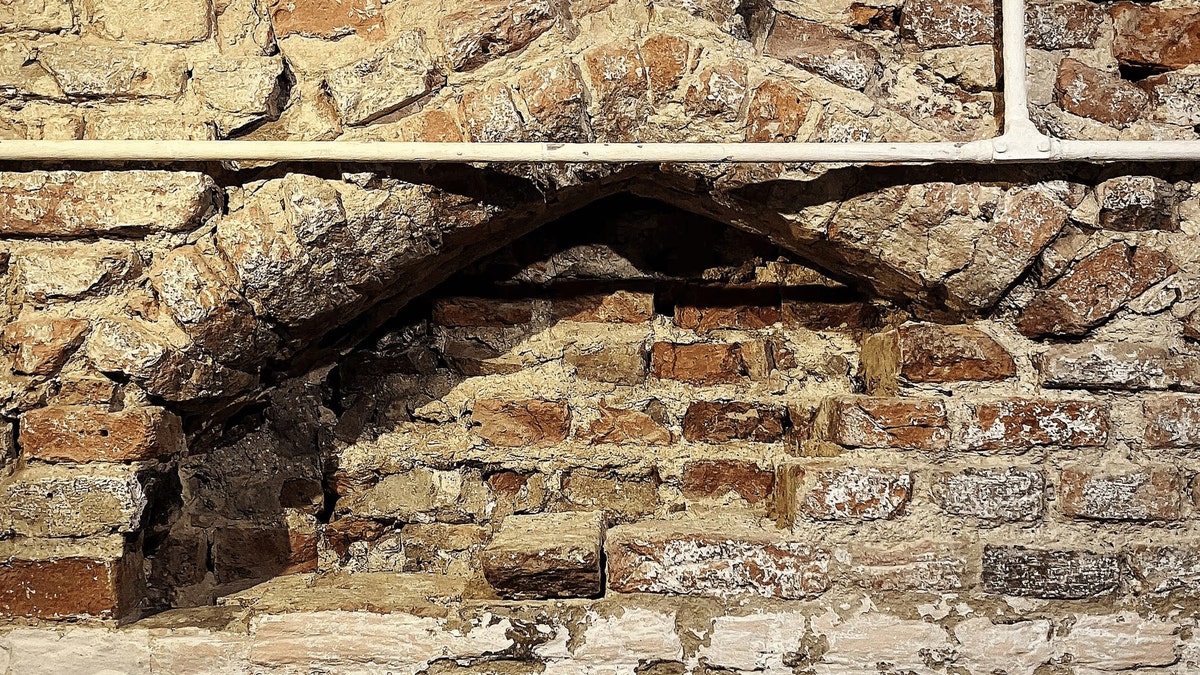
x: 667, y: 60
x: 1050, y: 574
x: 45, y: 16
x: 703, y: 364
x: 326, y: 18
x: 1129, y: 203
x: 1100, y: 95
x: 1018, y: 423
x: 627, y: 427
x: 615, y: 74
x: 828, y: 492
x: 1138, y: 493
x: 554, y: 96
x: 482, y: 312
x: 658, y: 557
x: 420, y: 495
x: 718, y: 92
x: 1063, y: 24
x: 714, y: 479
x: 490, y: 115
x: 110, y: 71
x: 1121, y: 641
x: 70, y: 271
x: 704, y: 319
x: 823, y: 50
x: 621, y: 498
x: 72, y: 501
x: 1176, y: 97
x: 1162, y: 569
x: 87, y: 433
x: 1172, y: 421
x: 550, y: 555
x: 71, y: 203
x: 487, y: 30
x: 248, y: 88
x: 944, y: 23
x: 399, y: 74
x: 1093, y: 290
x: 721, y: 422
x: 1006, y: 494
x: 522, y: 423
x: 917, y: 566
x: 1109, y: 365
x: 166, y: 21
x: 617, y: 307
x: 1155, y: 38
x: 442, y: 548
x: 49, y: 579
x: 776, y: 113
x: 870, y: 422
x: 42, y: 342
x: 827, y: 315
x: 615, y: 363
x: 934, y: 353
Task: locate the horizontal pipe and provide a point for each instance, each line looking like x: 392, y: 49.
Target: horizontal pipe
x: 1126, y: 151
x: 387, y: 151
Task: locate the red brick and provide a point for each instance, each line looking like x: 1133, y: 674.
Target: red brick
x: 713, y: 479
x: 707, y: 319
x: 1172, y: 421
x: 1146, y: 493
x: 678, y: 559
x: 42, y: 343
x: 86, y: 433
x: 720, y: 422
x: 1008, y: 493
x: 482, y: 312
x: 934, y: 353
x: 869, y: 422
x: 67, y: 587
x: 1093, y: 290
x: 703, y: 363
x: 1054, y: 574
x: 828, y: 315
x: 522, y: 423
x: 618, y: 307
x: 625, y: 427
x: 1098, y: 94
x: 1156, y: 38
x: 1020, y: 423
x: 832, y: 492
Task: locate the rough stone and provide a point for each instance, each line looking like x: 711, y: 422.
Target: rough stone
x: 924, y: 566
x: 326, y: 18
x: 1171, y: 421
x: 1006, y: 494
x: 396, y: 76
x: 615, y: 363
x: 96, y: 69
x: 718, y: 422
x: 1129, y: 203
x: 481, y: 312
x: 57, y: 501
x: 1063, y: 24
x: 933, y: 353
x: 869, y: 422
x: 167, y: 21
x: 627, y: 427
x: 703, y: 363
x: 719, y: 92
x: 776, y: 112
x: 1156, y: 38
x: 1162, y: 569
x: 714, y: 479
x: 46, y: 16
x: 942, y: 23
x: 42, y: 342
x: 1149, y: 493
x: 828, y: 492
x: 522, y: 423
x: 68, y: 272
x: 823, y: 50
x: 552, y: 555
x: 1107, y: 365
x: 1018, y: 423
x: 1097, y: 94
x: 705, y: 319
x: 93, y: 433
x: 1056, y: 574
x: 1121, y: 641
x: 488, y: 30
x: 676, y: 559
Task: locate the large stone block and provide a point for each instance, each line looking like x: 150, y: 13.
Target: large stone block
x: 398, y: 75
x: 46, y: 16
x: 552, y: 555
x: 522, y: 423
x: 475, y: 34
x: 921, y: 353
x: 1108, y: 365
x: 823, y: 50
x: 1098, y: 94
x: 72, y: 501
x: 42, y: 342
x: 721, y: 422
x: 101, y: 69
x: 945, y: 23
x: 1129, y: 203
x: 166, y: 21
x: 54, y: 579
x: 86, y: 433
x: 1153, y: 37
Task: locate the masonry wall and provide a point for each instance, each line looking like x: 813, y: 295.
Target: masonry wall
x: 604, y: 419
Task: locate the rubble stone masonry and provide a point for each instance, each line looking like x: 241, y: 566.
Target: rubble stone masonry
x: 646, y: 420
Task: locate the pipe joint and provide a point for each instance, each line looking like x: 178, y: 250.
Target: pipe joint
x: 1022, y: 145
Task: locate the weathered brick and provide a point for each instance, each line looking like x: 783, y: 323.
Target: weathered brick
x: 776, y: 112
x: 551, y: 555
x: 614, y: 363
x: 1129, y: 203
x: 1162, y: 569
x: 869, y: 422
x: 522, y: 423
x: 1019, y: 423
x: 832, y: 492
x: 1155, y: 38
x: 1146, y: 493
x: 721, y: 422
x: 73, y: 204
x: 1063, y: 24
x: 659, y: 557
x: 814, y: 315
x: 823, y: 50
x: 714, y: 479
x: 617, y: 307
x: 705, y: 319
x: 51, y: 579
x: 1094, y: 289
x: 87, y: 433
x: 443, y: 548
x: 489, y: 29
x: 1172, y: 421
x: 326, y: 18
x: 42, y: 342
x: 916, y: 566
x: 68, y: 271
x: 620, y: 497
x: 44, y: 500
x: 1009, y: 493
x: 625, y: 427
x: 703, y: 363
x: 1098, y: 94
x: 944, y: 23
x: 482, y: 312
x: 1051, y: 574
x: 933, y: 353
x: 1109, y: 365
x: 384, y: 82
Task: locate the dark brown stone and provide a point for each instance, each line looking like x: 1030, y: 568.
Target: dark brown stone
x: 703, y: 363
x: 947, y: 23
x: 1059, y: 575
x: 551, y: 555
x: 711, y: 479
x: 719, y: 422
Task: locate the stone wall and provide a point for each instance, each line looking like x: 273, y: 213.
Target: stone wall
x: 605, y: 419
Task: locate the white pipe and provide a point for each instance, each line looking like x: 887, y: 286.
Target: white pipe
x: 1016, y: 101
